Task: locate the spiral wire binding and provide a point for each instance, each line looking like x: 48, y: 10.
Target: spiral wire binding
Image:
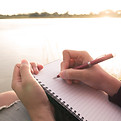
x: 60, y: 101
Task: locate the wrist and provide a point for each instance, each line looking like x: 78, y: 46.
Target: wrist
x: 44, y: 113
x: 111, y: 85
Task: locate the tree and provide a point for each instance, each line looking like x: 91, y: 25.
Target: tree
x: 44, y: 14
x: 34, y: 14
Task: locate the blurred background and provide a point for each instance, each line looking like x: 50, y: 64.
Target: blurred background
x: 39, y: 31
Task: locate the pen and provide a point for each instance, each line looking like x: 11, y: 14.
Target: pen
x: 93, y: 62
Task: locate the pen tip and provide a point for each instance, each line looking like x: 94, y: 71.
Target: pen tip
x: 54, y: 77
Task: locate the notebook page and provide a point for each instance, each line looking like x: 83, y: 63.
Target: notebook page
x: 91, y: 104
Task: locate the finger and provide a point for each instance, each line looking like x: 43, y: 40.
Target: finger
x: 37, y: 68
x: 64, y: 65
x: 16, y: 76
x: 73, y: 74
x: 71, y: 58
x: 71, y: 63
x: 40, y: 67
x: 66, y: 59
x: 69, y: 54
x: 34, y: 68
x: 25, y: 70
x: 68, y: 65
x: 32, y: 71
x: 69, y: 81
x: 18, y: 65
x: 80, y: 56
x: 76, y: 81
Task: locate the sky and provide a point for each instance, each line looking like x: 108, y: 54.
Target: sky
x: 60, y: 6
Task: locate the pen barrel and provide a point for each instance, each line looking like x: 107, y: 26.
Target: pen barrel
x: 93, y: 62
x: 103, y: 58
x: 86, y: 65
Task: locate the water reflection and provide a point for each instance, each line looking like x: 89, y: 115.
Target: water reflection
x: 43, y: 40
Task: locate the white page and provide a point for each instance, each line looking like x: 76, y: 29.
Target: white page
x: 91, y: 104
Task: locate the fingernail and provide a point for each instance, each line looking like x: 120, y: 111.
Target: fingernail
x: 24, y: 62
x: 40, y: 67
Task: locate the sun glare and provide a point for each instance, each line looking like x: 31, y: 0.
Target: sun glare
x: 106, y: 17
x: 60, y: 6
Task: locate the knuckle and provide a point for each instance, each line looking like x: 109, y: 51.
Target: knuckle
x: 84, y: 52
x: 33, y: 63
x: 17, y: 65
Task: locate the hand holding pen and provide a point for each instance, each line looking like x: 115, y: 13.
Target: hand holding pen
x: 89, y: 72
x: 93, y: 62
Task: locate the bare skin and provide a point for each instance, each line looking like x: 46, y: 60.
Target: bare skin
x: 7, y: 98
x: 94, y: 77
x: 28, y: 89
x: 30, y: 92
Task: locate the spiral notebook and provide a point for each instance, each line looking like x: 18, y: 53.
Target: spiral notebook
x: 81, y: 101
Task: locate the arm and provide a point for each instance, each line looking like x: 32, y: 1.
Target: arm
x: 94, y: 77
x: 30, y: 93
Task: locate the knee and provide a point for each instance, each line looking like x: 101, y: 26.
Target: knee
x: 7, y: 98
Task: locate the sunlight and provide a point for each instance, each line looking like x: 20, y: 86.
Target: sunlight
x: 106, y: 18
x: 45, y: 39
x: 60, y: 6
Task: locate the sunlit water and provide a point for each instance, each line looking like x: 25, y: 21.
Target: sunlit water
x: 43, y: 40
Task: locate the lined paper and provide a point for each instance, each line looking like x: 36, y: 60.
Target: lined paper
x: 91, y: 104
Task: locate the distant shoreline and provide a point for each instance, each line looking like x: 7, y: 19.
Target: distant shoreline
x: 50, y: 17
x: 106, y: 13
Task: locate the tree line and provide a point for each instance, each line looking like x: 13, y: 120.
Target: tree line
x: 108, y: 13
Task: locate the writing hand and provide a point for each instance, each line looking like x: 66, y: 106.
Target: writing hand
x: 94, y: 77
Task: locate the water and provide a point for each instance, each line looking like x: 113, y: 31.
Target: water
x: 43, y: 40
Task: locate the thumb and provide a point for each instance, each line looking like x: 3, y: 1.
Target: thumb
x: 73, y: 74
x: 25, y: 69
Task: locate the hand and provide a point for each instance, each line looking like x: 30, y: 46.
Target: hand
x: 30, y: 92
x: 94, y: 77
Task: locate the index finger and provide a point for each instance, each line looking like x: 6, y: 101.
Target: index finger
x: 69, y: 54
x: 69, y: 57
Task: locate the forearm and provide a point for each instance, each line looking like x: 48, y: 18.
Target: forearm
x: 47, y: 117
x: 110, y: 84
x: 42, y: 114
x: 113, y: 89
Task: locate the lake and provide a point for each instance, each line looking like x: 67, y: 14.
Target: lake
x: 43, y: 40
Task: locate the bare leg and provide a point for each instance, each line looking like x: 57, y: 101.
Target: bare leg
x: 7, y: 98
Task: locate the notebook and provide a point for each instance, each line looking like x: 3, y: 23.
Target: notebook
x: 81, y: 101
